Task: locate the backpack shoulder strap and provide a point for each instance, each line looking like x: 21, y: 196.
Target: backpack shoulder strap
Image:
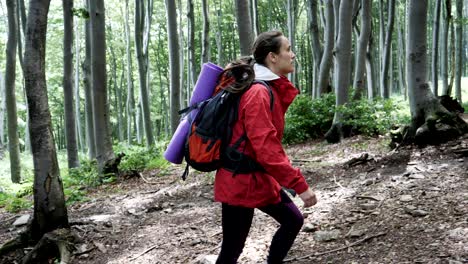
x: 267, y: 86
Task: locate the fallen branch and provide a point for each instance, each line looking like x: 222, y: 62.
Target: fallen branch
x: 305, y: 160
x: 356, y: 161
x: 144, y: 252
x: 336, y: 249
x: 145, y: 180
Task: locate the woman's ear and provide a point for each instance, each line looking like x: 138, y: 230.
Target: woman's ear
x: 272, y: 57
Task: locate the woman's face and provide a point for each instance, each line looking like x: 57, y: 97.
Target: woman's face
x: 283, y: 61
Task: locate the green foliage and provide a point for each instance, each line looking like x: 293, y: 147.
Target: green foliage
x: 80, y: 12
x: 307, y: 118
x: 12, y: 203
x: 138, y: 158
x: 465, y: 106
x: 310, y: 119
x: 371, y: 118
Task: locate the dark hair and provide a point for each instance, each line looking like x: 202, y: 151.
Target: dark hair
x: 238, y: 75
x: 265, y: 43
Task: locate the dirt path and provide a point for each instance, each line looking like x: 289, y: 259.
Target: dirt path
x: 409, y: 206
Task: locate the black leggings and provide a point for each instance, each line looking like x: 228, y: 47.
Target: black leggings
x: 236, y: 223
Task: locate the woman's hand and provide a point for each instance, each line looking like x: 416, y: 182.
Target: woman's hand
x: 309, y: 198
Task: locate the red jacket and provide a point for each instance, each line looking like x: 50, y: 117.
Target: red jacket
x: 264, y: 129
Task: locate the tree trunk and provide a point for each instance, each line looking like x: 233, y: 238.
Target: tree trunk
x: 219, y: 36
x: 382, y: 7
x: 363, y: 43
x: 206, y: 32
x: 385, y: 89
x: 291, y: 7
x: 244, y: 27
x: 444, y: 46
x: 142, y: 54
x: 327, y: 57
x: 130, y: 104
x: 2, y: 110
x: 102, y: 132
x: 370, y: 70
x: 315, y: 36
x: 435, y: 48
x: 430, y: 121
x: 87, y: 82
x: 191, y: 44
x: 77, y: 89
x: 343, y: 60
x: 459, y: 51
x: 70, y: 123
x: 173, y: 41
x: 10, y: 76
x: 50, y: 211
x: 255, y: 22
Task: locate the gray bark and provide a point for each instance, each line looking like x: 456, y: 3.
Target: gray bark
x: 50, y: 211
x: 343, y: 60
x: 291, y: 7
x: 219, y: 36
x: 444, y: 46
x: 79, y: 131
x: 90, y: 140
x: 385, y: 89
x: 191, y: 44
x: 70, y: 123
x: 327, y: 57
x: 130, y: 104
x: 173, y: 41
x: 255, y: 22
x: 2, y: 110
x: 401, y: 63
x: 382, y: 7
x: 102, y: 132
x: 370, y: 70
x: 459, y: 50
x: 363, y: 43
x: 206, y: 32
x: 10, y: 97
x: 435, y: 48
x: 142, y: 25
x: 244, y: 27
x: 315, y: 35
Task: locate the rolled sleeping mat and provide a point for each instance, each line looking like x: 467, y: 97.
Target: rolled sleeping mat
x: 204, y: 88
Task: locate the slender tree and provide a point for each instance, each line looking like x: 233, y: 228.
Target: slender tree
x: 10, y: 75
x: 385, y: 90
x: 142, y: 29
x: 78, y: 129
x: 444, y: 46
x: 70, y: 123
x: 435, y: 48
x: 130, y: 104
x: 315, y: 35
x: 2, y: 110
x: 173, y: 40
x: 327, y: 57
x: 102, y: 133
x: 343, y: 60
x: 191, y: 43
x: 430, y: 121
x: 459, y: 50
x: 206, y: 32
x: 244, y: 26
x: 50, y: 211
x: 363, y: 43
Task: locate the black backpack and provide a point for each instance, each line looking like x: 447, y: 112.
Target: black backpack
x: 206, y: 148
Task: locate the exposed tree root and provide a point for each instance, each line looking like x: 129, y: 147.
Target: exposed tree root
x: 56, y: 244
x: 59, y: 242
x: 334, y: 134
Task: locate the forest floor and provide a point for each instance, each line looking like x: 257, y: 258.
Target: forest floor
x: 404, y: 206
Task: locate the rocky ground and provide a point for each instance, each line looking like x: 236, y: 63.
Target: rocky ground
x: 375, y: 206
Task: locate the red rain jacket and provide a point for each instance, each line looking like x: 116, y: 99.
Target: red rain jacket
x: 264, y: 129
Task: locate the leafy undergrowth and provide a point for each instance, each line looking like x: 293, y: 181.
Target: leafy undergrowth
x: 405, y: 206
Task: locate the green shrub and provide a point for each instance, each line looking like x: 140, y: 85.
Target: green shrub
x: 13, y: 203
x: 465, y: 106
x: 311, y: 119
x: 308, y: 118
x: 138, y: 158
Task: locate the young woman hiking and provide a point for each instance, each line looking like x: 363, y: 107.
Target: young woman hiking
x: 262, y: 125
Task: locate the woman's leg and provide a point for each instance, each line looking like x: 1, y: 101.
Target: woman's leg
x: 236, y: 223
x: 291, y: 221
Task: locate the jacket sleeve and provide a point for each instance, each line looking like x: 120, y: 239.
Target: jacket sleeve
x: 262, y: 135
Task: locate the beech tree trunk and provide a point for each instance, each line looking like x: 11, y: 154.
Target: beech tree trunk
x: 173, y: 41
x: 315, y: 36
x: 50, y: 212
x: 2, y: 110
x: 363, y: 43
x: 244, y: 26
x: 444, y: 65
x: 10, y: 97
x: 206, y: 32
x: 343, y: 60
x: 459, y: 51
x: 430, y: 121
x: 130, y: 104
x: 69, y: 100
x: 435, y: 48
x: 327, y: 56
x: 385, y: 89
x: 191, y: 45
x: 102, y: 132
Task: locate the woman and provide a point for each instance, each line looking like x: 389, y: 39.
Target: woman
x: 241, y: 193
